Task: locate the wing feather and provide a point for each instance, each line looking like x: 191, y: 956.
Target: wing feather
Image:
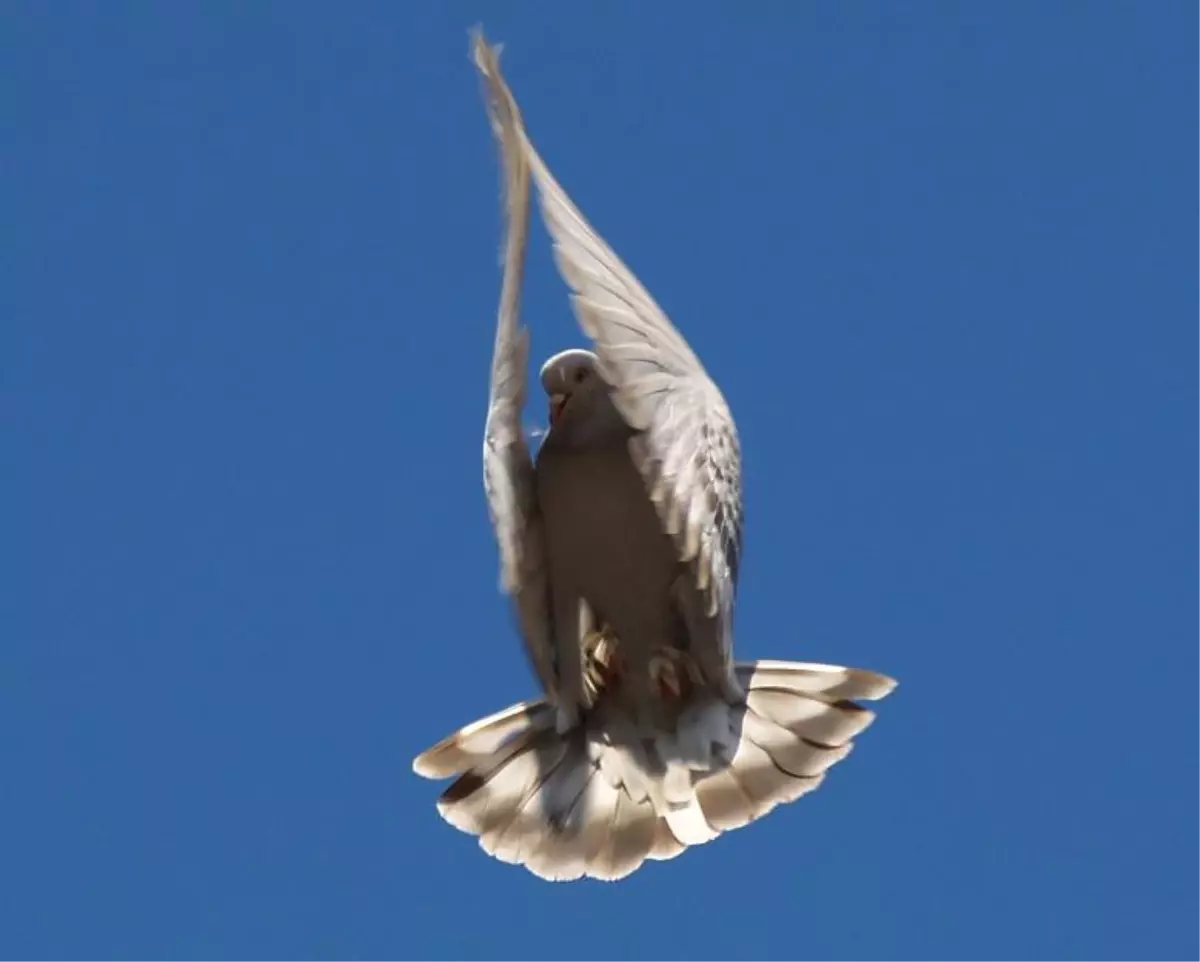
x: 687, y: 448
x: 508, y: 471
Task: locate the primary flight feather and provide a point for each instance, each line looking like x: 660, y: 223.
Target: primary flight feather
x: 619, y: 544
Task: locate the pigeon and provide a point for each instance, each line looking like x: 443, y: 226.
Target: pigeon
x: 619, y: 545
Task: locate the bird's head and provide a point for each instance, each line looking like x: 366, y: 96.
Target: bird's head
x: 570, y: 380
x: 578, y: 397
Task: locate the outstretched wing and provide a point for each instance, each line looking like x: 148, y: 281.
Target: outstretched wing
x: 687, y: 448
x: 508, y: 474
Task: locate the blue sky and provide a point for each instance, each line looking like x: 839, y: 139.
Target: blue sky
x: 942, y: 260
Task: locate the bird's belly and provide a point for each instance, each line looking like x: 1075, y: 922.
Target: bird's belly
x: 604, y: 537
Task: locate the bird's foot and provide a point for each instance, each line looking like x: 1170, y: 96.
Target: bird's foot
x: 674, y: 675
x: 603, y: 661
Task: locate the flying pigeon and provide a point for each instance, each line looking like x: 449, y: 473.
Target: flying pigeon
x: 619, y: 545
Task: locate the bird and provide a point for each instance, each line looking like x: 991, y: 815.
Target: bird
x: 620, y: 543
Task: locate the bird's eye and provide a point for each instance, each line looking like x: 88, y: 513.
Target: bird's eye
x: 580, y: 374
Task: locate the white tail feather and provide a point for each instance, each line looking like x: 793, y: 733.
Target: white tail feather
x: 469, y: 745
x: 725, y: 804
x: 601, y: 799
x: 763, y: 782
x: 791, y: 752
x: 828, y: 724
x: 541, y: 799
x: 516, y: 807
x: 630, y: 842
x: 830, y: 682
x: 666, y: 845
x: 510, y: 782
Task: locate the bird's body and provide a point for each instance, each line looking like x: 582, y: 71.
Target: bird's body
x: 607, y: 550
x: 620, y: 545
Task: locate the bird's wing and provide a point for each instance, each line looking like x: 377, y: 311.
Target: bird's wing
x: 687, y: 447
x: 508, y: 473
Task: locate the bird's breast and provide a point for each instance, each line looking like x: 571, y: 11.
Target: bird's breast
x: 603, y: 534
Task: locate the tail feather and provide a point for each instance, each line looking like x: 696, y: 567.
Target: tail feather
x: 688, y: 823
x: 630, y: 842
x: 601, y: 799
x: 555, y: 845
x: 542, y: 801
x: 666, y: 845
x: 598, y: 817
x: 764, y: 783
x: 760, y: 778
x: 664, y: 780
x: 515, y: 815
x: 556, y: 859
x: 791, y: 752
x: 563, y: 856
x: 676, y: 798
x: 827, y: 723
x: 724, y: 801
x: 484, y: 800
x: 829, y: 682
x: 472, y: 743
x: 798, y: 722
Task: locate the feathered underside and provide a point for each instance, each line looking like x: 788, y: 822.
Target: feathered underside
x: 598, y: 804
x: 585, y: 782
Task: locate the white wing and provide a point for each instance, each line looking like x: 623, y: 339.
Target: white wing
x: 508, y: 474
x: 688, y: 449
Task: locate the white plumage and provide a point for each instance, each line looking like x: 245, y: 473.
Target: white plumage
x: 620, y: 546
x: 798, y: 720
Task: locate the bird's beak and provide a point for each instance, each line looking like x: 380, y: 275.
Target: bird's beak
x: 557, y: 401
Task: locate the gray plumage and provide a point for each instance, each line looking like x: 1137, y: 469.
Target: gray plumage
x: 619, y: 545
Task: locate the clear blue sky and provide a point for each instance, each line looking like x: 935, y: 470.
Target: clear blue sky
x: 942, y: 259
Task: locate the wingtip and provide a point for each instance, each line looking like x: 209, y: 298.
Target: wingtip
x: 477, y: 39
x: 486, y: 56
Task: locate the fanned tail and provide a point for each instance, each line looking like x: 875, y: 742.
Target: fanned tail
x: 598, y: 800
x: 562, y: 805
x: 798, y: 720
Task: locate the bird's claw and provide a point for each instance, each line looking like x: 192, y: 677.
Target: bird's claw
x: 673, y: 674
x: 604, y: 664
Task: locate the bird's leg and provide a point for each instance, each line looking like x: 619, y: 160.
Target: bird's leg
x: 674, y: 674
x: 603, y: 662
x: 589, y: 638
